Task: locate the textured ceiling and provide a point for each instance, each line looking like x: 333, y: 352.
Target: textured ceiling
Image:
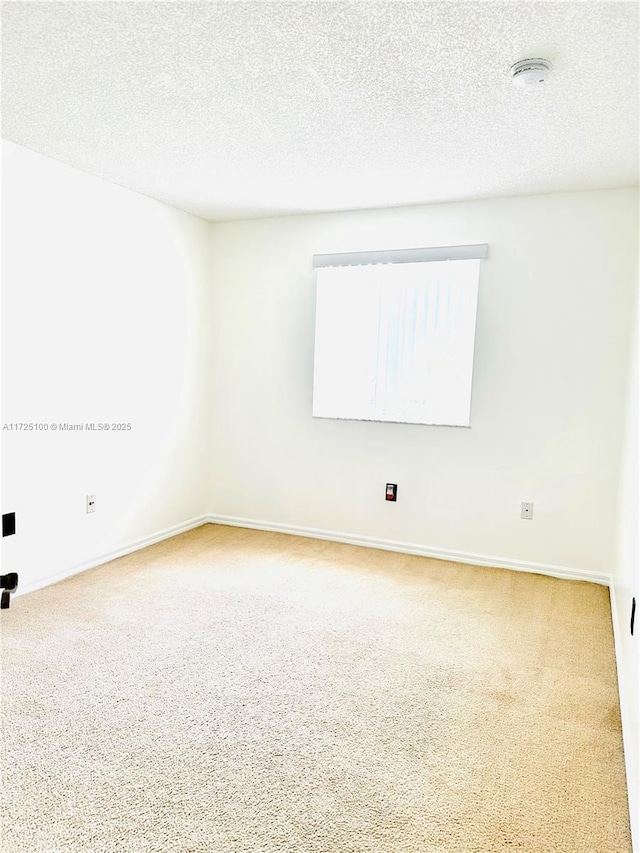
x: 234, y: 109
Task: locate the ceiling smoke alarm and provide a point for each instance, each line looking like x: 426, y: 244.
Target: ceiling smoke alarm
x: 530, y: 72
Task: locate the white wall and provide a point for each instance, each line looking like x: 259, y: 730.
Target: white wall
x: 549, y: 383
x: 105, y: 319
x: 626, y: 584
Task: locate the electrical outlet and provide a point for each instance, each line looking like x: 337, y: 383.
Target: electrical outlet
x: 91, y: 503
x: 526, y: 510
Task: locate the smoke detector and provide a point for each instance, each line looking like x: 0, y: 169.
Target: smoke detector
x: 530, y: 72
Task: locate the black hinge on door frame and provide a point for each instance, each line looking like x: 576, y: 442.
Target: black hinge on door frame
x: 8, y: 584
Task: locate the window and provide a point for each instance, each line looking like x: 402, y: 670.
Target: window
x: 395, y: 334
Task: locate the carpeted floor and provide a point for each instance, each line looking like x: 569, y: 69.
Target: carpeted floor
x: 234, y: 691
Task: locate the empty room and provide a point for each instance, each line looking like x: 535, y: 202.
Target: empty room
x: 320, y: 427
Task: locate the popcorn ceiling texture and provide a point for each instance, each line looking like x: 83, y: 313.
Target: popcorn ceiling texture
x: 234, y: 109
x: 234, y: 691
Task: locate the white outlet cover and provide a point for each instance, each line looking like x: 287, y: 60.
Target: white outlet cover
x: 526, y: 510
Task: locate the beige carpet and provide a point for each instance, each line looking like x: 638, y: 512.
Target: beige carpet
x: 233, y: 691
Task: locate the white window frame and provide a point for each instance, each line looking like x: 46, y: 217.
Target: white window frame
x: 407, y: 365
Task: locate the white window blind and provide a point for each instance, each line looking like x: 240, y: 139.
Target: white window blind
x: 395, y: 341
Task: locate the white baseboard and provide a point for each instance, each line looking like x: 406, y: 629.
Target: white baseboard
x: 332, y: 536
x: 419, y: 550
x: 167, y: 533
x: 631, y: 757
